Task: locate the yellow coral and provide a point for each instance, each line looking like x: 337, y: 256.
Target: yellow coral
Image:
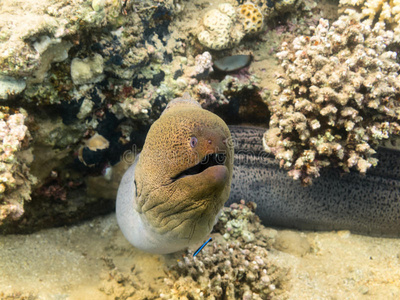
x: 381, y: 8
x: 385, y: 11
x: 251, y: 17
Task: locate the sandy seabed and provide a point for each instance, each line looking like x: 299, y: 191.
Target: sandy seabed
x: 74, y: 263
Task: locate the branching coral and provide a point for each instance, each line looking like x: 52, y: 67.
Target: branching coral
x: 224, y: 272
x: 387, y: 11
x: 227, y: 268
x: 338, y: 99
x: 238, y: 269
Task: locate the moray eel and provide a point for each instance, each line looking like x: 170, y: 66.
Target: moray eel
x: 170, y: 198
x: 368, y: 204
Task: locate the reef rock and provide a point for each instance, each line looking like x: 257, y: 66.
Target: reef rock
x: 87, y: 70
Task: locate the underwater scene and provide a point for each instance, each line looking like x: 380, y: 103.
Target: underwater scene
x: 192, y: 149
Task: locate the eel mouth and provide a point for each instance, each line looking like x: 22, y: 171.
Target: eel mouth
x: 213, y: 159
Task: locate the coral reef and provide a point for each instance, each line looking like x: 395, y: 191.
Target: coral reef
x: 15, y: 178
x: 77, y: 60
x: 270, y: 9
x: 225, y: 26
x: 338, y: 99
x: 110, y: 67
x: 251, y: 17
x: 239, y: 222
x: 229, y: 267
x: 373, y: 11
x: 214, y: 93
x: 285, y: 5
x: 220, y: 28
x: 228, y: 271
x: 22, y: 45
x: 236, y: 269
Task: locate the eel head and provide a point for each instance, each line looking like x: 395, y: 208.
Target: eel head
x: 184, y: 171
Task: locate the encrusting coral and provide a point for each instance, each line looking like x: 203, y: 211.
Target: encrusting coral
x: 225, y: 26
x: 220, y: 29
x: 338, y: 99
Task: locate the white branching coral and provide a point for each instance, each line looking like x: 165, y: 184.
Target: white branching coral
x: 387, y: 11
x: 237, y: 267
x: 338, y: 99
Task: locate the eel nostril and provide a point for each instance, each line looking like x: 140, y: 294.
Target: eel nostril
x: 220, y: 158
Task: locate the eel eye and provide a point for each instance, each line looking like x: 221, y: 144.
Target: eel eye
x: 193, y: 141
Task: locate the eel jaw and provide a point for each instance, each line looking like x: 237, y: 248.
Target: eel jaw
x: 210, y: 160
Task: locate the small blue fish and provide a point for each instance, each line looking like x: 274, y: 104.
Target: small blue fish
x: 201, y: 247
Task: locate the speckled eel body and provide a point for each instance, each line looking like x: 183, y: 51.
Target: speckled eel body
x: 367, y: 204
x: 171, y: 197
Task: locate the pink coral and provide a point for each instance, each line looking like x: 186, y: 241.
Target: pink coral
x: 15, y: 180
x: 203, y: 63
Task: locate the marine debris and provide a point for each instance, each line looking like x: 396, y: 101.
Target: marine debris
x: 337, y: 100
